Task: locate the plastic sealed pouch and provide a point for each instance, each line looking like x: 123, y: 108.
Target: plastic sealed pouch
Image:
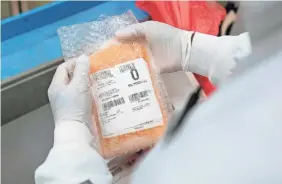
x: 130, y: 106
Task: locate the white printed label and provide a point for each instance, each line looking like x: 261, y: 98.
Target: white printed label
x: 125, y: 98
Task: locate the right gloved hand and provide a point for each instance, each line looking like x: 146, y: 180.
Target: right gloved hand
x: 170, y: 46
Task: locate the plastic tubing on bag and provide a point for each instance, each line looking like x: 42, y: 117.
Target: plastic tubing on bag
x: 130, y: 104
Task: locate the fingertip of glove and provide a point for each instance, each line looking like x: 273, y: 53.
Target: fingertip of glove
x: 82, y: 65
x: 122, y: 33
x: 131, y: 31
x: 82, y: 59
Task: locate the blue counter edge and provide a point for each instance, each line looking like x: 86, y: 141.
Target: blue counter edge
x: 30, y: 39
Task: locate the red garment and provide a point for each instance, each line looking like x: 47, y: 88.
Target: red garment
x: 204, y: 17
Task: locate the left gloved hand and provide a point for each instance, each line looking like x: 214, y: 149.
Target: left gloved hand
x: 71, y: 100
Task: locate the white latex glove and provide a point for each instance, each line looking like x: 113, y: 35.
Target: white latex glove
x: 70, y: 99
x: 170, y: 46
x: 175, y: 49
x: 72, y: 159
x: 216, y: 57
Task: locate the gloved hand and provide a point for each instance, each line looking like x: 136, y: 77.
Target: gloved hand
x: 175, y: 49
x: 170, y: 46
x: 70, y: 100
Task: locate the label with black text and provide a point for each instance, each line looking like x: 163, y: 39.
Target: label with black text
x: 125, y: 98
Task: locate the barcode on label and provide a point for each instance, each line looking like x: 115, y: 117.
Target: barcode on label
x: 116, y: 171
x: 126, y: 67
x: 108, y: 105
x: 103, y: 75
x: 137, y: 96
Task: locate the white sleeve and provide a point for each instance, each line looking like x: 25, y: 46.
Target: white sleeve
x: 215, y: 57
x: 72, y: 160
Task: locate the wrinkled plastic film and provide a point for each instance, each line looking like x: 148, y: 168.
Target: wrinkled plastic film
x: 87, y: 38
x: 95, y: 39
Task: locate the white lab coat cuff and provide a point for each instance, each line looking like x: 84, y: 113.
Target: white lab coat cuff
x: 72, y: 131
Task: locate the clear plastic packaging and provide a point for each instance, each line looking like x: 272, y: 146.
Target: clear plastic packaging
x: 130, y: 104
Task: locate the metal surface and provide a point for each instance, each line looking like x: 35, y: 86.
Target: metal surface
x: 27, y: 91
x: 25, y: 144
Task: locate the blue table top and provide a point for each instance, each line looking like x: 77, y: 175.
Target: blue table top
x: 30, y: 39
